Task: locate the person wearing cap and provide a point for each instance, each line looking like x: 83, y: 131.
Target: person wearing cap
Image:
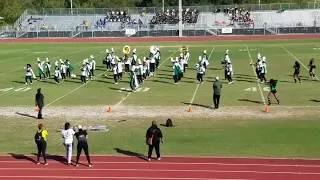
x: 153, y: 138
x: 40, y: 68
x: 115, y: 73
x: 93, y: 65
x: 216, y: 92
x: 39, y: 102
x: 83, y: 70
x: 82, y: 137
x: 48, y: 68
x: 140, y: 72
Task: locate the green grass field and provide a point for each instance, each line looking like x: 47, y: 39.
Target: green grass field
x: 289, y: 130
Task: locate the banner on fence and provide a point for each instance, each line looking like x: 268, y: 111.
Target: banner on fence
x: 130, y: 31
x: 226, y: 30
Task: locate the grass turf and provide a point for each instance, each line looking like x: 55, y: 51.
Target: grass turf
x: 276, y: 138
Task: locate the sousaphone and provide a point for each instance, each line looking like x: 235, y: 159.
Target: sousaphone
x: 126, y: 49
x: 153, y: 49
x: 183, y: 49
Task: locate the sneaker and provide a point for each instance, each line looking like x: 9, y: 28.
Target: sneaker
x: 159, y: 158
x: 77, y: 165
x: 149, y: 159
x: 26, y: 83
x: 90, y: 165
x: 30, y: 83
x: 38, y: 163
x: 230, y: 83
x: 46, y: 164
x: 115, y: 83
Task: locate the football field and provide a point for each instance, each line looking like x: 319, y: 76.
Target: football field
x: 159, y: 98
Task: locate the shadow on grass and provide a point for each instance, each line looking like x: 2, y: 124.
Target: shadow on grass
x: 130, y: 153
x: 118, y: 89
x: 252, y: 101
x: 26, y: 115
x: 78, y: 82
x: 314, y: 100
x: 199, y: 105
x: 20, y: 82
x: 159, y: 81
x: 107, y: 82
x: 50, y: 82
x: 245, y: 75
x: 244, y: 80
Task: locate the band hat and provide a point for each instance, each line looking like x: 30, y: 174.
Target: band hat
x: 79, y: 126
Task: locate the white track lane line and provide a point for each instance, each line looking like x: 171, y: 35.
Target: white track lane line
x: 261, y: 93
x: 128, y: 94
x: 195, y: 92
x: 298, y: 60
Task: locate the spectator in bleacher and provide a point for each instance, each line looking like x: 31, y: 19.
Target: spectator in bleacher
x: 172, y: 17
x: 86, y: 25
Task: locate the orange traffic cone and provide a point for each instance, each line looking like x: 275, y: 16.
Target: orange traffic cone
x: 110, y: 109
x: 267, y: 109
x: 190, y: 109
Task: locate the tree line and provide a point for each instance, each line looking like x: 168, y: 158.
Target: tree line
x: 10, y: 10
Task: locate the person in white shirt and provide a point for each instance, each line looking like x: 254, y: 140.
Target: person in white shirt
x: 93, y: 65
x: 63, y: 70
x: 29, y: 74
x: 120, y: 68
x: 200, y: 72
x: 83, y: 70
x: 152, y: 65
x: 115, y: 73
x: 67, y: 135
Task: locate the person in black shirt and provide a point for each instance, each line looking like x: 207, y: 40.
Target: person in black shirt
x: 153, y: 139
x: 296, y: 72
x: 39, y: 102
x: 82, y: 137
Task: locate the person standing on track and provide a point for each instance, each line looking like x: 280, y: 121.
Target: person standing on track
x: 67, y: 135
x: 39, y: 102
x: 41, y: 141
x: 82, y: 137
x: 216, y: 92
x: 153, y: 138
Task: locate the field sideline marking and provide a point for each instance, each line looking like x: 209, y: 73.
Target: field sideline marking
x: 298, y: 60
x: 195, y: 92
x: 124, y: 98
x: 263, y: 99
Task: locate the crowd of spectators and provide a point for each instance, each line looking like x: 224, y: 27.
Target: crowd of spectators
x: 114, y: 16
x: 172, y: 17
x: 237, y: 15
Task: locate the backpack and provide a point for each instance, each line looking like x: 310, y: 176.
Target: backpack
x: 169, y: 123
x: 38, y: 138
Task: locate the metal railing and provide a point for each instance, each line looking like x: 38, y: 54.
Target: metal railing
x: 135, y: 10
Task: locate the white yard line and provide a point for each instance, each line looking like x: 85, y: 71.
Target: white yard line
x: 298, y: 60
x: 1, y: 53
x: 195, y: 92
x: 127, y: 95
x: 261, y: 93
x: 51, y: 58
x: 109, y: 177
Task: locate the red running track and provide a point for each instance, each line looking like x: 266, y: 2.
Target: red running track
x: 169, y: 168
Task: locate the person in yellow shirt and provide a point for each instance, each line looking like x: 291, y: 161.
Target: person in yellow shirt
x: 41, y: 141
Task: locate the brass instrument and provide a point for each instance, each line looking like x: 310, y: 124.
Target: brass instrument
x: 153, y: 49
x: 126, y: 49
x: 183, y: 49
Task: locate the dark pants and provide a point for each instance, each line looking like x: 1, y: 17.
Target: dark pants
x: 216, y: 101
x: 229, y: 78
x: 56, y: 79
x: 68, y: 72
x: 157, y: 63
x: 63, y: 75
x: 185, y: 66
x: 225, y: 74
x: 40, y: 112
x: 140, y: 79
x: 48, y: 73
x: 92, y: 72
x: 41, y: 74
x: 175, y: 78
x: 152, y: 67
x: 157, y: 147
x: 120, y: 75
x: 200, y: 77
x: 85, y: 148
x: 30, y: 79
x: 263, y: 77
x: 258, y: 73
x: 42, y: 150
x: 115, y: 78
x: 108, y: 65
x: 127, y: 67
x: 83, y: 79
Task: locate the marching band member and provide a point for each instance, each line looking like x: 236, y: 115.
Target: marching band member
x: 229, y: 72
x: 89, y: 68
x: 120, y: 67
x: 177, y: 71
x: 133, y: 79
x: 83, y: 70
x: 134, y: 57
x: 108, y: 60
x: 205, y: 56
x: 187, y: 56
x: 57, y: 75
x: 147, y: 66
x: 127, y: 63
x: 182, y: 62
x: 115, y: 74
x: 258, y: 66
x: 29, y: 74
x: 273, y: 90
x: 56, y: 64
x: 113, y: 59
x: 63, y: 69
x: 200, y: 72
x: 296, y: 72
x: 152, y: 65
x: 157, y: 58
x: 93, y: 65
x: 205, y: 62
x: 263, y: 70
x: 312, y: 66
x: 48, y: 67
x: 140, y: 72
x: 40, y: 68
x: 144, y: 70
x: 68, y: 71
